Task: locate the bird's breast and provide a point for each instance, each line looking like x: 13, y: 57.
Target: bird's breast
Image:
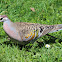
x: 11, y: 31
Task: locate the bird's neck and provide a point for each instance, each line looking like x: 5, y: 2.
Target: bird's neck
x: 7, y: 23
x: 10, y: 29
x: 8, y: 26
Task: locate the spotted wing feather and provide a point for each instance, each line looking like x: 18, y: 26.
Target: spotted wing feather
x: 29, y: 31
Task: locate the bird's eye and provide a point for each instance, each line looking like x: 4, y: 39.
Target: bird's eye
x: 1, y: 18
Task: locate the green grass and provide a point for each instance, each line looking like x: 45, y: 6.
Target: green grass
x: 46, y: 12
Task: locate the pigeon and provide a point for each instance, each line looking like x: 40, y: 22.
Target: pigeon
x: 24, y: 32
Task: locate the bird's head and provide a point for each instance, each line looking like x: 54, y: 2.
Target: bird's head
x: 3, y: 18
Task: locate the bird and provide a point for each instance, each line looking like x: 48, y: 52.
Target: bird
x: 24, y: 32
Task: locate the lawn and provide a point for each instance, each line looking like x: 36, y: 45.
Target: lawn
x: 46, y: 12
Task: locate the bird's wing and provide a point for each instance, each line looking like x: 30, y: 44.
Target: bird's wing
x: 30, y: 31
x: 47, y: 29
x: 26, y: 28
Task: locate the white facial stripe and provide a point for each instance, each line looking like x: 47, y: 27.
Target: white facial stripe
x: 5, y: 18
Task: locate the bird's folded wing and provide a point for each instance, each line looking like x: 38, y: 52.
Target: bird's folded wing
x: 28, y: 28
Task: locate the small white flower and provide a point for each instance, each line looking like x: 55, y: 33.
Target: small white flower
x: 47, y: 45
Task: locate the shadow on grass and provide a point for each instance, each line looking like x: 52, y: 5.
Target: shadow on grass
x: 28, y: 46
x: 52, y: 39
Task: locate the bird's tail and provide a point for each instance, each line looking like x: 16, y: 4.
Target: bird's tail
x: 57, y: 27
